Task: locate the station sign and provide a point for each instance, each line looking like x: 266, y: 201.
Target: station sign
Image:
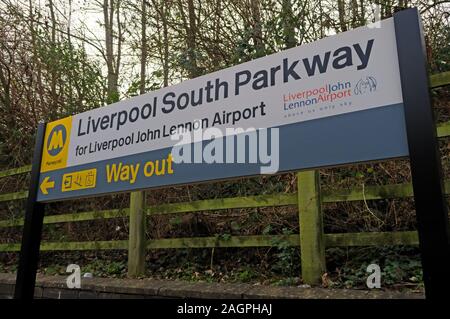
x: 359, y: 96
x: 331, y: 102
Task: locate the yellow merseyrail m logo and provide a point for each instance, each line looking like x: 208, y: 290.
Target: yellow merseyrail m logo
x: 79, y: 180
x: 56, y: 140
x: 56, y: 144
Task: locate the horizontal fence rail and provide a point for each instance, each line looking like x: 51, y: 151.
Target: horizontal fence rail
x: 331, y: 240
x: 272, y: 200
x: 356, y: 193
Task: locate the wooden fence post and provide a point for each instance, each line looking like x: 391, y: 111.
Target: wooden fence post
x: 137, y: 237
x: 312, y: 248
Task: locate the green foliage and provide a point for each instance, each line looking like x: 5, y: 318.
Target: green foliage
x: 402, y: 269
x: 105, y: 268
x: 287, y: 281
x: 225, y: 236
x: 98, y: 267
x: 85, y: 87
x: 399, y: 266
x: 50, y: 79
x: 54, y: 232
x: 235, y: 226
x: 55, y: 270
x: 244, y: 51
x: 440, y: 47
x: 267, y: 230
x: 151, y: 84
x: 246, y: 274
x: 175, y: 220
x: 287, y: 258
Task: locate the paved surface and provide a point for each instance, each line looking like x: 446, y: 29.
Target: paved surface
x: 54, y: 287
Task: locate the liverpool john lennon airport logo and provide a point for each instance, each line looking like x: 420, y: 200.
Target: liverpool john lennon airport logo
x: 365, y: 85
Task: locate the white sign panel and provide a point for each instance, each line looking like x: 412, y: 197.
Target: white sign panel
x: 259, y: 94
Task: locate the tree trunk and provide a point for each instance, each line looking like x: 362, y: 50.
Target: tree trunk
x: 143, y: 47
x: 36, y: 62
x: 53, y: 66
x: 191, y: 40
x: 341, y: 11
x: 113, y: 76
x: 5, y: 81
x: 355, y: 15
x: 165, y: 44
x: 257, y: 28
x: 288, y: 24
x: 362, y: 16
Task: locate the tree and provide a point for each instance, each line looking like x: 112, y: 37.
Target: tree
x: 111, y: 14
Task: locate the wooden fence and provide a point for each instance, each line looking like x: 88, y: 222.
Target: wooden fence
x: 308, y: 199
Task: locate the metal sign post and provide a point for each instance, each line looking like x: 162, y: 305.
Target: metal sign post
x: 32, y: 229
x: 426, y: 170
